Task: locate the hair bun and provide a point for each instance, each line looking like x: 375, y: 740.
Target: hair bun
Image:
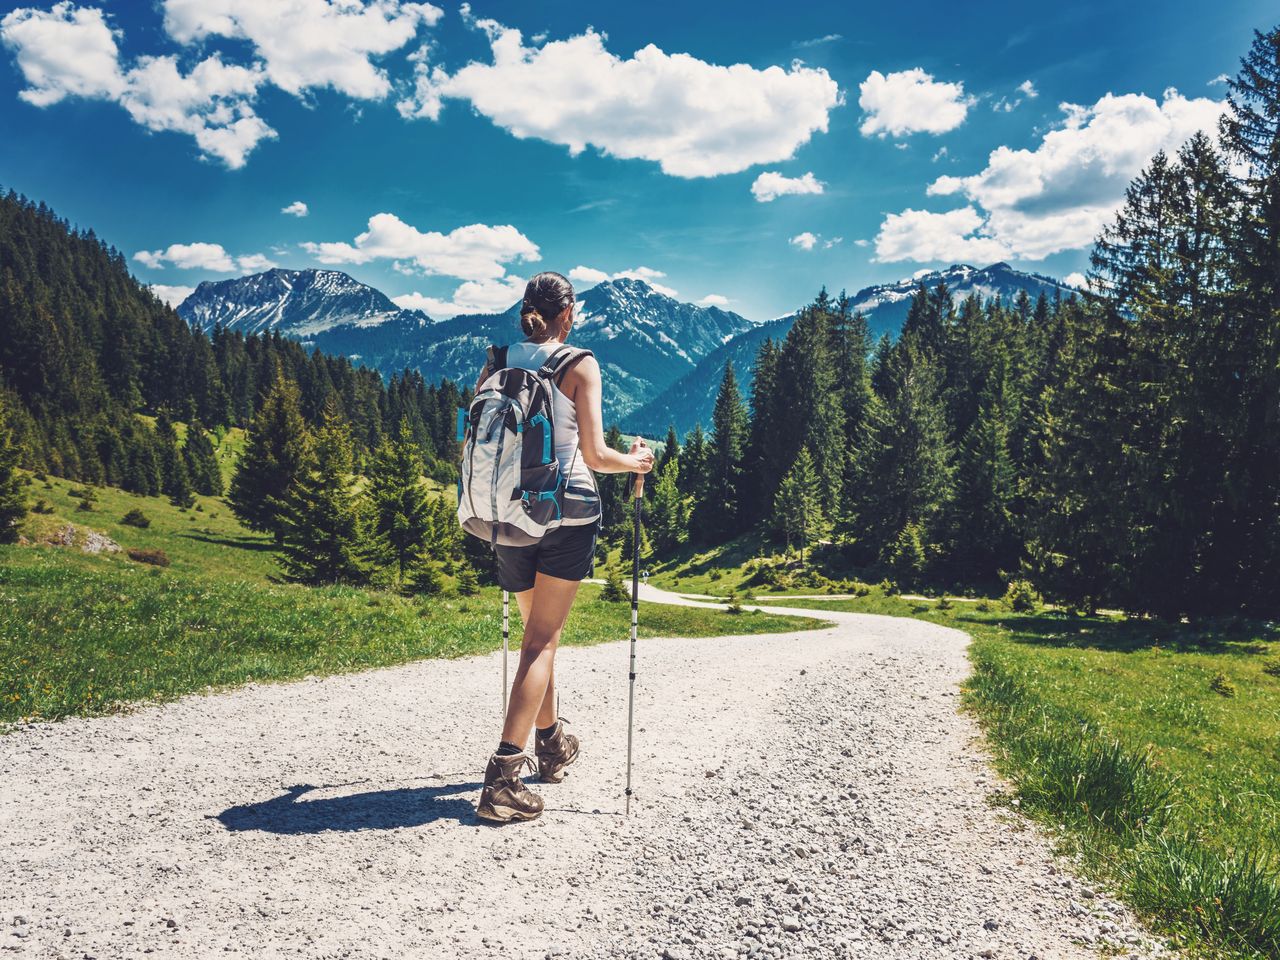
x: 531, y: 321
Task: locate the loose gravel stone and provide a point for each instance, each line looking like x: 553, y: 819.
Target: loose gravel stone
x: 799, y: 795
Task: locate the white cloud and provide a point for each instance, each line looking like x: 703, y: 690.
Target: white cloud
x: 296, y: 209
x: 805, y: 241
x: 1219, y: 80
x: 1060, y: 194
x: 1028, y: 89
x: 713, y: 300
x: 818, y: 41
x: 172, y: 295
x: 589, y: 276
x: 1075, y: 279
x: 473, y: 252
x: 71, y: 51
x: 67, y: 51
x: 473, y: 296
x: 770, y: 185
x: 923, y: 236
x: 202, y: 256
x: 910, y: 101
x: 694, y: 118
x: 307, y: 44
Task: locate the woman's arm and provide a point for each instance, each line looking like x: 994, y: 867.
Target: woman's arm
x: 582, y: 385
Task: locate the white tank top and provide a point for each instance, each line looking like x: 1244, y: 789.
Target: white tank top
x: 531, y: 356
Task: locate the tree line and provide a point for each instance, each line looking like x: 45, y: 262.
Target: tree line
x: 1119, y: 448
x: 85, y: 348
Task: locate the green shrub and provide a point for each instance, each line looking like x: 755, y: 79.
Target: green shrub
x: 945, y: 603
x: 157, y: 558
x: 888, y: 587
x: 468, y: 582
x: 42, y: 506
x: 1272, y: 668
x: 85, y: 506
x: 982, y: 606
x: 1022, y: 597
x: 735, y: 605
x: 1221, y: 684
x: 613, y: 590
x: 136, y: 518
x: 82, y: 493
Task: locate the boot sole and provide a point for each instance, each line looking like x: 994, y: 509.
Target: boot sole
x: 503, y: 814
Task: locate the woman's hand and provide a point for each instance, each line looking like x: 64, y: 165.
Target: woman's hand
x: 643, y: 456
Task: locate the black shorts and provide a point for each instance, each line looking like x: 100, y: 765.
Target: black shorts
x: 568, y: 553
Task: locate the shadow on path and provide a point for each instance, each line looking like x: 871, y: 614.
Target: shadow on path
x: 375, y: 810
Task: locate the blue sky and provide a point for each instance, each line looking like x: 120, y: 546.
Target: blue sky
x: 736, y: 153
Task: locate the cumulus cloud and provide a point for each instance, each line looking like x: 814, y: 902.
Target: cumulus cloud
x: 713, y: 300
x: 71, y: 51
x: 695, y: 119
x: 307, y: 44
x: 172, y: 295
x: 474, y: 252
x: 805, y: 241
x: 1075, y: 279
x: 590, y: 276
x: 1219, y: 80
x: 1028, y: 89
x: 296, y: 209
x: 770, y: 185
x: 1057, y: 196
x: 473, y: 296
x: 910, y: 101
x: 923, y: 236
x: 202, y: 256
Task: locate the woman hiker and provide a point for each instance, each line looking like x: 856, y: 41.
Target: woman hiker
x: 545, y: 575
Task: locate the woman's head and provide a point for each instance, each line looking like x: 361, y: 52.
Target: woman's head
x: 547, y: 309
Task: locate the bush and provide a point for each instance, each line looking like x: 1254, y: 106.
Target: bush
x: 613, y: 589
x: 716, y: 574
x: 1272, y: 668
x: 982, y: 606
x: 85, y: 506
x: 157, y: 558
x: 888, y: 587
x: 42, y: 506
x: 82, y: 493
x: 136, y: 518
x: 860, y: 589
x: 1022, y: 597
x: 1221, y: 684
x: 945, y: 603
x: 468, y: 582
x: 735, y: 605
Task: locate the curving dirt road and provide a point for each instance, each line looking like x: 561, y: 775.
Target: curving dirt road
x: 813, y: 794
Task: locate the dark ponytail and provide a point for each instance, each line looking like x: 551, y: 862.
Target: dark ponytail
x: 545, y: 298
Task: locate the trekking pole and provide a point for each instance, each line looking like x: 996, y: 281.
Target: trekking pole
x: 635, y: 619
x: 506, y: 636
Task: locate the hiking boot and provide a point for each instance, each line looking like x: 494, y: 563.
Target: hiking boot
x: 505, y: 797
x: 555, y: 753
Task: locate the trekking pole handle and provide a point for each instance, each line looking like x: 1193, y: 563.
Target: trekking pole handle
x: 638, y: 477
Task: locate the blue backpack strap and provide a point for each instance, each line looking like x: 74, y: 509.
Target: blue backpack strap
x: 558, y: 364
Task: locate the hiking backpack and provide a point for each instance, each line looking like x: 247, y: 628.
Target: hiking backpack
x: 513, y: 489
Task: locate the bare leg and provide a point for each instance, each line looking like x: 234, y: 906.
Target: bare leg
x: 548, y: 608
x: 547, y: 713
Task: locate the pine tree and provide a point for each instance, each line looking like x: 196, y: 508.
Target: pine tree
x: 718, y: 513
x: 323, y: 519
x: 275, y: 453
x: 613, y: 490
x: 402, y: 514
x: 765, y: 459
x: 202, y: 461
x: 905, y: 464
x: 13, y: 500
x: 180, y: 492
x: 667, y: 511
x: 797, y: 507
x: 692, y: 478
x: 670, y: 449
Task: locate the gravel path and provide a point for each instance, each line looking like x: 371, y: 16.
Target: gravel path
x: 798, y: 795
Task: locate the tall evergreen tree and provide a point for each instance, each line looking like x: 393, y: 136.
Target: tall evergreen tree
x: 692, y: 478
x: 717, y: 514
x: 614, y: 491
x: 323, y: 518
x: 402, y: 514
x: 797, y: 507
x: 13, y: 500
x: 274, y: 457
x: 667, y: 513
x: 202, y: 460
x: 670, y: 449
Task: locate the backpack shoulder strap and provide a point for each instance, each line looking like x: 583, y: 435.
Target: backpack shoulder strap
x: 496, y: 359
x: 558, y: 364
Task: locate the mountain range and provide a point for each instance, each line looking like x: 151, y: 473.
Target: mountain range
x: 662, y: 359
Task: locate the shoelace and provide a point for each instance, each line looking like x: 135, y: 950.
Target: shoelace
x: 526, y: 762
